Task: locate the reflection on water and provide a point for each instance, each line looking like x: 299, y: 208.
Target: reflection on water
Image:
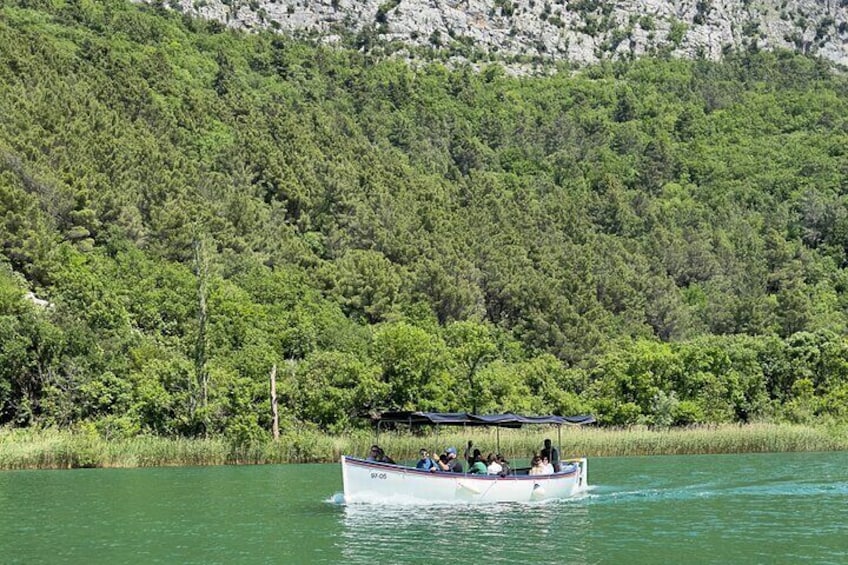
x: 508, y: 532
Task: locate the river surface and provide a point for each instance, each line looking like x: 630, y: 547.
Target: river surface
x: 761, y: 508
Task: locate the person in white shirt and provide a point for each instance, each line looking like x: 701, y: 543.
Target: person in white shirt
x: 547, y: 468
x: 493, y: 467
x: 536, y: 466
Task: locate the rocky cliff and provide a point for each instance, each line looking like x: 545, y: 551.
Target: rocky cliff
x: 526, y: 31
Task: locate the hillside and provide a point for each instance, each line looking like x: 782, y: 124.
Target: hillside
x: 523, y: 34
x: 659, y: 241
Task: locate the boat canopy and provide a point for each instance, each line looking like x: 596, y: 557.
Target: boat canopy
x: 464, y: 419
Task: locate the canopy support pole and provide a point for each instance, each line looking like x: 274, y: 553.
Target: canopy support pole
x: 559, y: 443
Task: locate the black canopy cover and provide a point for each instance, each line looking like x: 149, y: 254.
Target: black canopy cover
x: 465, y: 419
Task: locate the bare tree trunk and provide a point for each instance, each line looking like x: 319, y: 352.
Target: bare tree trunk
x: 201, y: 373
x: 275, y: 415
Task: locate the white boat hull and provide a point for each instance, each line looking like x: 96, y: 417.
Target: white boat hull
x: 367, y: 481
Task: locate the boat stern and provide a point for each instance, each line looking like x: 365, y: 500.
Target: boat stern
x: 582, y: 474
x: 344, y: 477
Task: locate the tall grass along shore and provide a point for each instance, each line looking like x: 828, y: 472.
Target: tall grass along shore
x: 55, y: 449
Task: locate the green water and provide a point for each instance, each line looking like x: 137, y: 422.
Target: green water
x: 764, y: 508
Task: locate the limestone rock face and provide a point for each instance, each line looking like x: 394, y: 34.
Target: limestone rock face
x: 579, y: 31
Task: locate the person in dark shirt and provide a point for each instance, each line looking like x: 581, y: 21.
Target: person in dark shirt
x: 451, y: 463
x: 552, y: 454
x: 374, y: 454
x: 469, y: 453
x: 385, y: 458
x: 505, y: 470
x: 378, y: 455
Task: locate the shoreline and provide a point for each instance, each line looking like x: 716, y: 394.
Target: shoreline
x: 27, y: 449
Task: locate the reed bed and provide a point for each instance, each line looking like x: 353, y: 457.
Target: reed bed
x: 58, y: 449
x: 55, y: 449
x: 636, y: 441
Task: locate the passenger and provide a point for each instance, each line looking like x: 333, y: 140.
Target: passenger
x: 469, y: 454
x: 385, y: 458
x: 537, y: 468
x: 493, y: 467
x: 472, y: 457
x: 374, y: 454
x: 547, y: 468
x: 379, y: 456
x: 552, y: 454
x: 505, y: 470
x: 453, y: 464
x: 478, y: 466
x: 442, y: 462
x: 425, y: 463
x: 435, y: 459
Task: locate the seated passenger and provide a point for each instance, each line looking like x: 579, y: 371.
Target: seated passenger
x: 537, y: 468
x: 452, y: 464
x: 493, y: 467
x: 425, y: 463
x: 547, y: 468
x: 505, y: 470
x: 374, y: 454
x: 477, y: 465
x: 379, y: 456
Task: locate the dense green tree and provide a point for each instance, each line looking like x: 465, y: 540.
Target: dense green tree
x: 413, y: 363
x: 657, y: 241
x: 472, y: 347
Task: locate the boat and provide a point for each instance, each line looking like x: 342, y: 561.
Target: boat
x: 367, y: 481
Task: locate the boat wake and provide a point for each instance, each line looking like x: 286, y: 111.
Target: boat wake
x: 607, y: 494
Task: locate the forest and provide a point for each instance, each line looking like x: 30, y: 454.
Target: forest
x: 184, y: 208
